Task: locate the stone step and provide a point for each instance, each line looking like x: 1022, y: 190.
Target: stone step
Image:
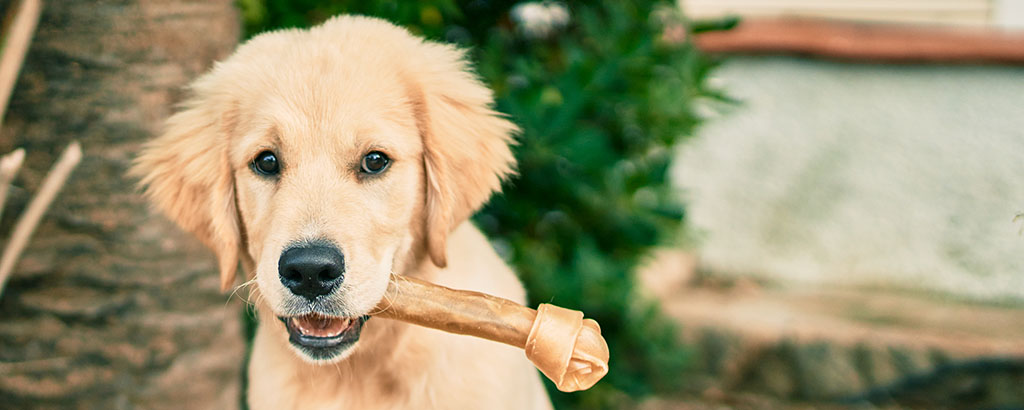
x: 841, y: 345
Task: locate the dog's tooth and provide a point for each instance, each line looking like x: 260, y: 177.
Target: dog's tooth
x: 300, y: 324
x: 342, y: 325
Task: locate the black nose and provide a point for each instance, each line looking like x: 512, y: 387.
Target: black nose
x: 311, y: 271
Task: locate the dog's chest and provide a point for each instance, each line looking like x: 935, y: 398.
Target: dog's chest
x: 427, y: 369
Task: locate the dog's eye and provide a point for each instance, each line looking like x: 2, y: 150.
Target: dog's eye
x: 375, y: 162
x: 266, y: 163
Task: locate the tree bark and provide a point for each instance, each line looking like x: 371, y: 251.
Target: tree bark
x: 111, y: 306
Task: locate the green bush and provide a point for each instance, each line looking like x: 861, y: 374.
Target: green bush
x: 602, y: 102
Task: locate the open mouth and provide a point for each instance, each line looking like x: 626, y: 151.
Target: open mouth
x: 323, y: 337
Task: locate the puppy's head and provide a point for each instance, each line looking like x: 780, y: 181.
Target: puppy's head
x: 325, y: 160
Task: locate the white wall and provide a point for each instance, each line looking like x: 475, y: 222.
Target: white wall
x: 902, y: 176
x: 1009, y: 14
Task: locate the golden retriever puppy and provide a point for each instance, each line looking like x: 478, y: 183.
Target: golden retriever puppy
x: 324, y: 160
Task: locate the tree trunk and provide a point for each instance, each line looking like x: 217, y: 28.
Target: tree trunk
x: 111, y: 305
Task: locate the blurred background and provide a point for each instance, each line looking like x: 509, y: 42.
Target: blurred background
x: 765, y: 203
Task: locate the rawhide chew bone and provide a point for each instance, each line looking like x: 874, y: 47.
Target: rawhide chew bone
x: 567, y: 348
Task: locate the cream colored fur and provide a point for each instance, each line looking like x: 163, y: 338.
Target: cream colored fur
x: 321, y: 99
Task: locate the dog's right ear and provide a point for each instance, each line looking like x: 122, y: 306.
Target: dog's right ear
x: 466, y: 153
x: 185, y: 174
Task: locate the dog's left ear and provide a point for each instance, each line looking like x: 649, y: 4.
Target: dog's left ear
x: 187, y: 176
x: 465, y: 142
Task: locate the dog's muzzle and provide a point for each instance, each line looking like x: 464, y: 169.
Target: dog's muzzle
x: 323, y: 337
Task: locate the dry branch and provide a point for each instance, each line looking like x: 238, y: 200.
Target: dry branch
x: 9, y: 166
x: 28, y: 221
x: 15, y: 41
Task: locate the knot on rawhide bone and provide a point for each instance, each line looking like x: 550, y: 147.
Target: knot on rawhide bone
x: 567, y: 348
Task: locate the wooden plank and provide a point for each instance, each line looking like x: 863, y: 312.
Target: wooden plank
x: 951, y: 12
x: 864, y: 41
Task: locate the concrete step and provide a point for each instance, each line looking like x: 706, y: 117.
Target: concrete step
x: 839, y: 346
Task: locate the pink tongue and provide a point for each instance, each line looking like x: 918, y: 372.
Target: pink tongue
x: 322, y: 323
x: 321, y: 326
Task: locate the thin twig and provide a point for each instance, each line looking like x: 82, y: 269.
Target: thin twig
x: 9, y: 166
x: 28, y: 221
x: 16, y: 38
